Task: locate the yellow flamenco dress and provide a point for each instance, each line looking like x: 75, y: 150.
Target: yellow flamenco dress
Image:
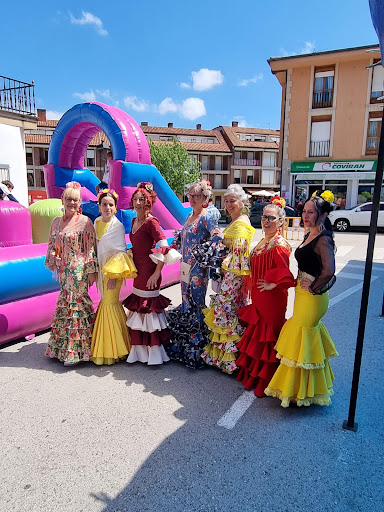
x: 304, y: 346
x: 221, y: 316
x: 110, y: 338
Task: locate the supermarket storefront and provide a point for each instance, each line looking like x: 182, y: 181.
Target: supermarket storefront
x: 352, y: 181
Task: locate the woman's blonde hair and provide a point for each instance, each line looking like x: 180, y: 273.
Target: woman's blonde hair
x: 202, y: 187
x: 72, y: 188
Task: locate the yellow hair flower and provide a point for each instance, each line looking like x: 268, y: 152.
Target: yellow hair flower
x: 328, y: 196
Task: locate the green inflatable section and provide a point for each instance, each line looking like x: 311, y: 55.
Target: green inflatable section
x: 42, y: 214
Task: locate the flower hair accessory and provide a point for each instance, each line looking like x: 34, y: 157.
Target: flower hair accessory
x: 147, y: 185
x: 106, y: 191
x: 73, y: 184
x: 205, y: 184
x: 327, y: 195
x: 279, y: 201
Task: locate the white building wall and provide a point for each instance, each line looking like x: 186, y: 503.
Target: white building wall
x: 12, y: 153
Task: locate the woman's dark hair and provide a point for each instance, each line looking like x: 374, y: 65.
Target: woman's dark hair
x: 107, y: 194
x: 8, y: 184
x: 322, y: 206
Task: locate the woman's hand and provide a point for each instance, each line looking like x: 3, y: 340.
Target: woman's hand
x: 111, y: 284
x: 153, y: 280
x: 92, y: 279
x: 130, y: 253
x: 266, y: 287
x: 305, y: 283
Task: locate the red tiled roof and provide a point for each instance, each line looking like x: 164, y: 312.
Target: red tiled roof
x: 51, y: 123
x: 232, y: 131
x: 46, y: 139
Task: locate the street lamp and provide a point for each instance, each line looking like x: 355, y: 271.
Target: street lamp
x: 184, y: 174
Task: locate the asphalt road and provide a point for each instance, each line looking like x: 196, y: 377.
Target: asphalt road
x: 137, y: 438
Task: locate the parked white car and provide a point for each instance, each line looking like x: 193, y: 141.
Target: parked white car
x: 358, y: 216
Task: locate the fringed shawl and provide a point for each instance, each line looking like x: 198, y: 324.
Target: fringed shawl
x: 238, y: 237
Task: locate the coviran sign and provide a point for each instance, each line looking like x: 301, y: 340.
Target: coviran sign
x: 332, y: 166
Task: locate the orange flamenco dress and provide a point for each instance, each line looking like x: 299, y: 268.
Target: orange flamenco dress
x: 265, y: 316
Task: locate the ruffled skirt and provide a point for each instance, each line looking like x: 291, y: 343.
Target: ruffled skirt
x: 257, y: 360
x: 222, y: 321
x: 71, y: 332
x: 147, y: 327
x: 304, y: 348
x: 110, y: 338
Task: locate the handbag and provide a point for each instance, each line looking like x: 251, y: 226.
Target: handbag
x: 185, y: 272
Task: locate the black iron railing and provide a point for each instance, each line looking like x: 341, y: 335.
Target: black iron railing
x: 16, y: 96
x: 320, y: 148
x: 322, y: 99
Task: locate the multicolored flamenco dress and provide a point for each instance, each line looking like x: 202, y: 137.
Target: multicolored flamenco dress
x: 186, y: 322
x: 304, y: 346
x: 221, y: 316
x: 265, y: 317
x: 110, y: 338
x: 146, y: 319
x: 71, y: 332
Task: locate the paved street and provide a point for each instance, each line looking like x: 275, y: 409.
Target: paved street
x: 136, y: 438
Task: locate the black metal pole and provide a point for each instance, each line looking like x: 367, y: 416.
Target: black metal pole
x: 350, y: 423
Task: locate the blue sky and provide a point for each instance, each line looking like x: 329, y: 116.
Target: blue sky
x: 184, y: 62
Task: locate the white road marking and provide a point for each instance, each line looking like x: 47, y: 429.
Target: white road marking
x: 378, y: 253
x: 344, y: 249
x: 347, y: 293
x: 376, y: 268
x: 236, y: 411
x: 350, y: 275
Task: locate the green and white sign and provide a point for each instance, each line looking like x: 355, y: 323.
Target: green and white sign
x: 334, y: 166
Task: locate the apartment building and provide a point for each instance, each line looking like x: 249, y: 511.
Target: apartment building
x: 332, y: 105
x: 254, y: 157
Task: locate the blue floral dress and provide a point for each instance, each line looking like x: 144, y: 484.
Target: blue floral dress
x: 189, y: 333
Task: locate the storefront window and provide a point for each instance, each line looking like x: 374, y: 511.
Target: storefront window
x: 366, y: 193
x: 339, y: 191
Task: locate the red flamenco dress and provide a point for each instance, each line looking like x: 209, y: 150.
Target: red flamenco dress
x: 265, y: 316
x: 146, y: 319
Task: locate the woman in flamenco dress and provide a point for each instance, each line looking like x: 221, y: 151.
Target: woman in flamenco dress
x: 199, y: 239
x: 71, y: 253
x: 268, y: 285
x: 110, y: 338
x: 304, y: 347
x: 221, y: 316
x: 146, y: 319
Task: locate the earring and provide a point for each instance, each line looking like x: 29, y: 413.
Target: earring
x: 320, y: 227
x: 115, y: 211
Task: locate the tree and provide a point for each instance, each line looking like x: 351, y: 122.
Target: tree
x: 175, y: 164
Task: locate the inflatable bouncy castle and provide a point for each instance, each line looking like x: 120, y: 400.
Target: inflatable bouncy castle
x: 28, y: 291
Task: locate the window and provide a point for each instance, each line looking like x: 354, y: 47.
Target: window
x: 218, y: 183
x: 210, y: 141
x: 377, y: 84
x: 30, y: 179
x: 373, y: 135
x: 236, y: 176
x: 320, y: 136
x: 218, y: 163
x: 204, y: 163
x: 237, y: 155
x: 250, y: 177
x: 29, y: 155
x: 267, y: 177
x: 90, y: 158
x: 323, y: 88
x: 269, y: 159
x: 43, y: 154
x: 366, y: 208
x: 165, y: 138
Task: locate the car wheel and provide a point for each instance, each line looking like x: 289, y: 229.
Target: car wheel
x: 341, y: 225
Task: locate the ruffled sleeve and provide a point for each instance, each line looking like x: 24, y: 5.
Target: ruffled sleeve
x: 324, y: 248
x: 120, y: 266
x: 280, y: 274
x: 51, y: 251
x: 237, y: 261
x: 165, y: 254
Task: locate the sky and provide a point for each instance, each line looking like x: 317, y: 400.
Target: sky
x: 186, y: 62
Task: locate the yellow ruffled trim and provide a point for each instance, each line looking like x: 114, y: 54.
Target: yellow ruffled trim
x: 106, y: 360
x: 222, y: 339
x: 307, y: 366
x: 285, y: 400
x: 220, y: 354
x: 120, y: 266
x: 238, y: 272
x: 209, y: 318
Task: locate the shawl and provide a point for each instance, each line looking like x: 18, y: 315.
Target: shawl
x: 234, y: 237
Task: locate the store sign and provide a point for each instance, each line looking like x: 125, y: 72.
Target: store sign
x: 334, y: 166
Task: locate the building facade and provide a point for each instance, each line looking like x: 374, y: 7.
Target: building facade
x: 332, y: 105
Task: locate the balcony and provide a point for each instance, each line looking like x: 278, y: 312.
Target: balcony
x: 319, y: 148
x: 246, y: 163
x: 17, y: 97
x: 322, y: 99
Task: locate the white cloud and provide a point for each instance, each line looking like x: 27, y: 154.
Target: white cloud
x: 167, y: 105
x: 205, y: 79
x: 309, y: 47
x: 105, y: 94
x: 134, y: 103
x: 242, y: 122
x: 85, y: 96
x: 90, y: 19
x: 246, y: 81
x: 183, y: 85
x: 191, y: 108
x: 54, y: 114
